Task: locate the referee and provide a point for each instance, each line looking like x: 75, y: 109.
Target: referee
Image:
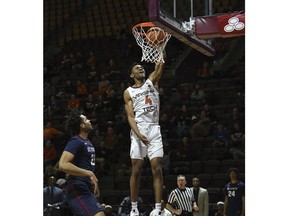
x: 181, y: 200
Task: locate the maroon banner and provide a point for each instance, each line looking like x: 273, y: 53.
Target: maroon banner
x: 206, y: 27
x: 231, y: 25
x: 225, y: 25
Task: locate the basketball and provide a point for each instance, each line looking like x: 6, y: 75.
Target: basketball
x: 155, y: 36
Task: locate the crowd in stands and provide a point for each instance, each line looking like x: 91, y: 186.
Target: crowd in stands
x: 196, y: 126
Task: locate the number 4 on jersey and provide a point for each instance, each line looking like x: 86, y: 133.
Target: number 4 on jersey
x: 148, y: 100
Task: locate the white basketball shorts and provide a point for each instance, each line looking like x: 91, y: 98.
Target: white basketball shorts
x: 139, y: 150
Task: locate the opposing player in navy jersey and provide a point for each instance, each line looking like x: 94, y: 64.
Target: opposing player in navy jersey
x: 78, y: 160
x: 142, y: 105
x: 234, y: 204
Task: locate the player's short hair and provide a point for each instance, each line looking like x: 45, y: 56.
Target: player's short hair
x: 131, y: 66
x: 234, y: 169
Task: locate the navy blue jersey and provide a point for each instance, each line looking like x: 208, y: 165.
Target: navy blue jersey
x: 79, y: 190
x: 84, y: 156
x: 234, y: 193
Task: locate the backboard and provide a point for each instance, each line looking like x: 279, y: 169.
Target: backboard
x: 170, y: 15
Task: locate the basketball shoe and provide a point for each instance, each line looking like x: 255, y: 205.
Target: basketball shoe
x: 155, y: 212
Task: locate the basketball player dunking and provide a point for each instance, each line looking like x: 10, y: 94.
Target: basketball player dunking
x: 142, y: 108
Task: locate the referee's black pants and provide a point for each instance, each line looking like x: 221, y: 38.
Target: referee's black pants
x: 186, y: 213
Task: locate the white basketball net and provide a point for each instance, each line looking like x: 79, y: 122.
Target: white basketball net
x: 150, y: 52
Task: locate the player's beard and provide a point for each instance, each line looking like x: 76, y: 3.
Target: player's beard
x: 88, y: 128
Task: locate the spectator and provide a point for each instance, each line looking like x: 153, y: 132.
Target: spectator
x: 184, y: 114
x: 234, y: 204
x: 99, y: 105
x: 49, y: 153
x: 166, y: 158
x: 166, y: 193
x: 97, y: 138
x: 175, y: 97
x: 54, y: 106
x: 111, y: 138
x: 103, y: 154
x: 92, y: 76
x: 89, y: 104
x: 53, y: 198
x: 182, y: 128
x: 108, y: 211
x: 147, y: 210
x: 110, y: 101
x: 168, y: 119
x: 91, y: 61
x: 237, y: 117
x: 103, y: 84
x: 110, y: 91
x: 113, y: 70
x: 210, y: 113
x: 65, y: 62
x: 125, y: 205
x: 125, y: 168
x: 198, y: 95
x: 221, y: 140
x: 70, y: 88
x: 183, y: 121
x: 184, y: 150
x: 120, y: 91
x: 79, y: 61
x: 203, y: 71
x: 185, y: 91
x: 49, y: 171
x: 220, y: 209
x: 82, y: 89
x: 61, y: 183
x: 103, y: 206
x: 237, y: 143
x: 202, y: 127
x: 93, y: 116
x: 51, y: 132
x: 49, y: 90
x: 72, y: 59
x: 73, y: 102
x: 201, y: 198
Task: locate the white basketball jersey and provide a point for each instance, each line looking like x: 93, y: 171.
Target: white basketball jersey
x: 145, y: 103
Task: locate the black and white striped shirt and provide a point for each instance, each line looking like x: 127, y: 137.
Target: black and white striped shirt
x: 182, y: 199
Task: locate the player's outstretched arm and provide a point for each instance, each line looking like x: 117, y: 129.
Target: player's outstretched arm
x: 66, y: 165
x: 158, y: 71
